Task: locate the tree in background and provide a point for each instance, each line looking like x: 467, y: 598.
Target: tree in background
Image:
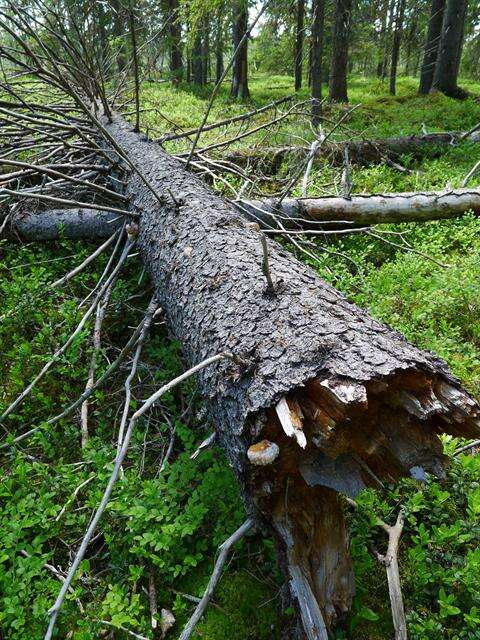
x: 450, y: 49
x: 175, y: 41
x: 432, y: 45
x: 219, y: 40
x: 318, y: 19
x: 240, y: 64
x: 397, y: 37
x: 340, y: 41
x: 300, y: 34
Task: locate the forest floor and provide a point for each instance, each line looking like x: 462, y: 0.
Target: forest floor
x: 166, y: 524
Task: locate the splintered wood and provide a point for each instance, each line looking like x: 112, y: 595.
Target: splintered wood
x: 332, y: 438
x: 290, y: 416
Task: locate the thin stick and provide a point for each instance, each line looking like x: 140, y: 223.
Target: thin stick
x: 266, y: 263
x: 86, y: 262
x: 390, y: 561
x: 97, y: 341
x: 471, y: 173
x: 215, y: 577
x: 72, y: 337
x: 221, y: 123
x: 135, y: 68
x: 124, y: 629
x: 152, y: 307
x: 467, y: 447
x: 53, y: 612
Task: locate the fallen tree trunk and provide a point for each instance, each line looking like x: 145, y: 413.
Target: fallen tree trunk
x: 322, y: 399
x: 362, y: 152
x: 291, y: 214
x: 362, y: 209
x: 78, y: 223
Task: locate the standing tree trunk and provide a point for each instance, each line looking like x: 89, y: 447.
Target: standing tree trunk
x: 382, y: 38
x: 197, y: 58
x: 240, y: 64
x: 299, y: 44
x: 175, y: 45
x: 432, y: 46
x: 339, y: 64
x: 206, y: 51
x: 397, y: 38
x: 446, y: 70
x: 318, y: 18
x: 119, y: 29
x: 219, y: 67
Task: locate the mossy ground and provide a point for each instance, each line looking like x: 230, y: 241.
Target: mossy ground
x: 171, y: 523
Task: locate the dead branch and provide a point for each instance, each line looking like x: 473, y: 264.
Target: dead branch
x: 54, y: 610
x: 215, y: 577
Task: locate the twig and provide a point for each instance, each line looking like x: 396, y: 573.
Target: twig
x: 152, y: 307
x: 152, y: 599
x: 72, y: 498
x: 471, y: 173
x: 205, y: 444
x: 390, y: 561
x: 215, y: 577
x: 124, y: 629
x: 215, y: 125
x: 53, y: 612
x: 72, y: 337
x: 97, y: 340
x: 467, y: 447
x: 61, y: 281
x: 266, y: 264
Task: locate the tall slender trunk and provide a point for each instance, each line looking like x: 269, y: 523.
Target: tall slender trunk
x: 412, y: 33
x: 299, y: 43
x: 432, y: 46
x: 318, y: 19
x: 397, y: 38
x: 382, y: 38
x: 339, y: 64
x: 197, y: 66
x: 240, y: 64
x: 175, y: 45
x: 386, y: 44
x: 119, y: 29
x: 446, y: 70
x: 219, y: 67
x: 206, y: 51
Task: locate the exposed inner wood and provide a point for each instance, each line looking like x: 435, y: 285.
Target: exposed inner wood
x: 353, y: 436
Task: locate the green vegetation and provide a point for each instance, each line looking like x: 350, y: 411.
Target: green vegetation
x: 171, y: 521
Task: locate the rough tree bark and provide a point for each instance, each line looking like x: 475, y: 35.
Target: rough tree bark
x: 431, y: 46
x: 299, y: 38
x: 339, y: 62
x: 239, y: 87
x: 397, y: 38
x: 446, y: 70
x: 318, y: 18
x: 359, y: 400
x: 175, y: 45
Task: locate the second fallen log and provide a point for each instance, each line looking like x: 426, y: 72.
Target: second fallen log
x: 361, y: 209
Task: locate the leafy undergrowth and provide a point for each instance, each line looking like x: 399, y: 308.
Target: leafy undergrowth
x: 170, y: 522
